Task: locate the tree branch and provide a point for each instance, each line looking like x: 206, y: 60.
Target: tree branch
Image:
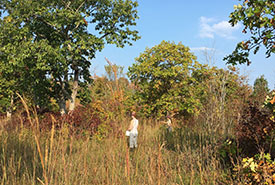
x: 80, y: 5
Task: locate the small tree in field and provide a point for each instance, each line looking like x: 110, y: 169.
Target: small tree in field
x: 165, y: 81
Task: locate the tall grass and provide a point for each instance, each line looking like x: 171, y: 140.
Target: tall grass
x: 185, y: 156
x: 30, y: 157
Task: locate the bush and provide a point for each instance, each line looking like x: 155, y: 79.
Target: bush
x: 228, y: 152
x: 255, y: 131
x: 82, y: 119
x: 259, y: 169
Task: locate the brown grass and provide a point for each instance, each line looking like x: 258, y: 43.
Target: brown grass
x: 29, y: 157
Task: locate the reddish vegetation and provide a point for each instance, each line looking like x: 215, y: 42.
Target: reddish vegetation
x: 82, y: 118
x: 254, y: 131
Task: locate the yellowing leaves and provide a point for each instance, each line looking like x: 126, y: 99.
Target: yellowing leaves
x: 249, y: 162
x: 237, y: 6
x: 158, y: 85
x: 258, y: 170
x: 8, y: 19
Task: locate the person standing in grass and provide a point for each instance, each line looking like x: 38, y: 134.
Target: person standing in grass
x: 169, y: 123
x: 133, y: 131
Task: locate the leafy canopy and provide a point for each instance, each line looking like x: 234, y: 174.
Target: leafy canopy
x: 258, y: 18
x: 163, y: 76
x: 53, y: 41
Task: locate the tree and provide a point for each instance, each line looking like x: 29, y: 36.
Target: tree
x: 163, y: 76
x: 59, y: 42
x: 258, y: 18
x: 113, y: 71
x: 19, y: 72
x: 260, y: 90
x: 225, y: 94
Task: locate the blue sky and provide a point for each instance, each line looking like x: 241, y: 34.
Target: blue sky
x: 202, y: 25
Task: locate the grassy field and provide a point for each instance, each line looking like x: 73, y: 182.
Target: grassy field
x: 28, y: 156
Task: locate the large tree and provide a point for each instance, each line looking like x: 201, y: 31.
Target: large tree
x: 166, y: 76
x: 258, y: 18
x: 57, y: 39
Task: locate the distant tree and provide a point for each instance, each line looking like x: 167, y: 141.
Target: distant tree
x: 260, y: 90
x: 110, y: 92
x: 163, y: 76
x: 113, y: 71
x: 100, y: 88
x: 52, y: 37
x: 258, y: 18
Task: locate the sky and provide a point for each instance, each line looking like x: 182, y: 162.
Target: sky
x: 201, y: 25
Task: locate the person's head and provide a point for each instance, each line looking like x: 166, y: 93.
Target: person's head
x: 133, y: 114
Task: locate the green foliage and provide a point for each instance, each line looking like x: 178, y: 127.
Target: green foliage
x: 228, y: 152
x: 260, y: 90
x: 258, y: 18
x: 166, y: 77
x: 84, y: 94
x: 102, y: 132
x: 260, y: 86
x: 99, y: 88
x: 44, y: 44
x: 18, y: 71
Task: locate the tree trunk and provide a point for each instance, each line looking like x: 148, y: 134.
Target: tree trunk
x: 74, y: 91
x: 62, y: 99
x: 9, y: 110
x: 62, y: 107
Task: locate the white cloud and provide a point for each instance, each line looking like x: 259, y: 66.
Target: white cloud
x: 209, y: 27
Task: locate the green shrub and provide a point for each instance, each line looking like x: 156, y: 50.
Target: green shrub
x: 228, y: 152
x: 102, y: 132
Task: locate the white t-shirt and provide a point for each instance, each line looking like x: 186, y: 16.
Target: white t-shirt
x: 135, y: 125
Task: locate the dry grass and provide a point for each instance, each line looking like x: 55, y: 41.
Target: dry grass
x: 29, y: 157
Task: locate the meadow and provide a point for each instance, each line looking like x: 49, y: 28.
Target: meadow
x: 61, y: 124
x: 89, y: 146
x: 31, y: 157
